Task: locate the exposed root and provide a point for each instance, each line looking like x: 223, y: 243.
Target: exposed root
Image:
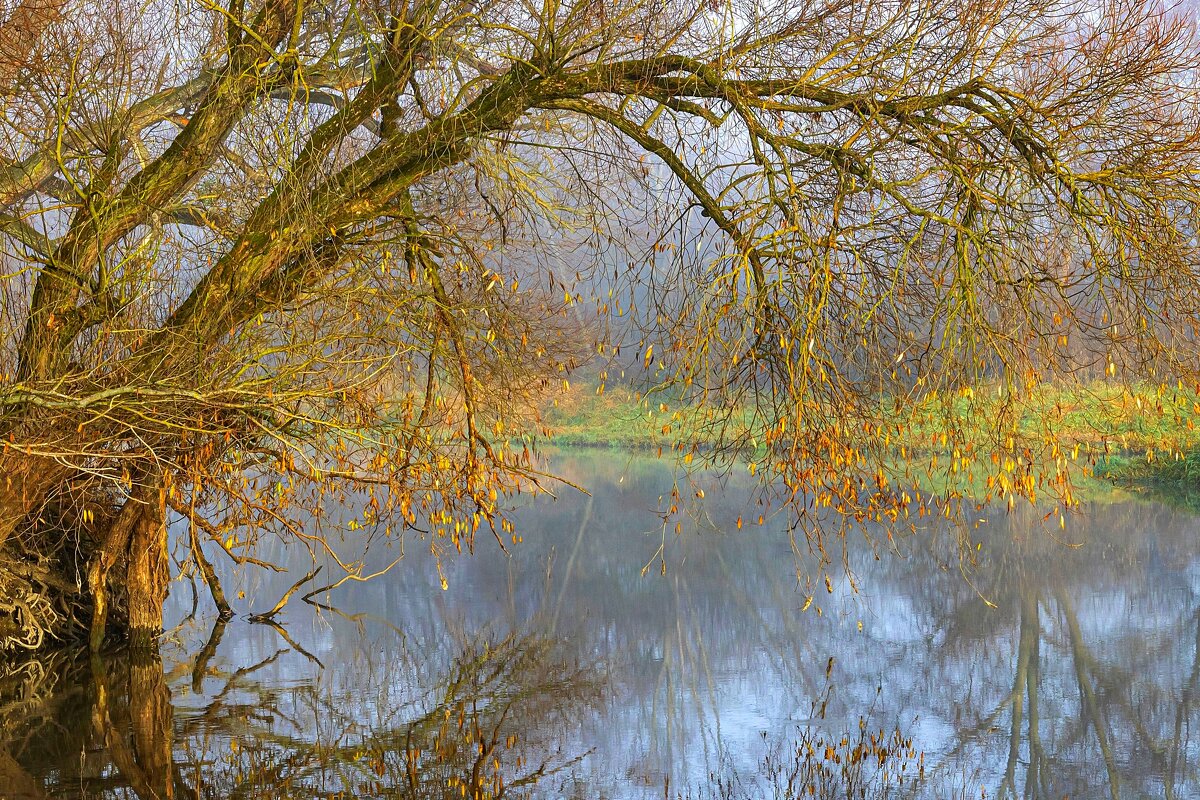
x: 34, y: 607
x: 45, y: 596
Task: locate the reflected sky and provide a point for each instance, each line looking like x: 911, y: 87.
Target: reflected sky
x: 1051, y: 663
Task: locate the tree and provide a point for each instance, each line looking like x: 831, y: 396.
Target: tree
x: 261, y: 254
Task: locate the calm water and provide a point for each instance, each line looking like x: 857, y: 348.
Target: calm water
x: 1061, y: 663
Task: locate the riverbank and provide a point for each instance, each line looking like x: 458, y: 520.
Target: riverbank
x: 1135, y: 436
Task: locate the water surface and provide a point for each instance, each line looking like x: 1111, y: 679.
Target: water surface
x: 1058, y: 664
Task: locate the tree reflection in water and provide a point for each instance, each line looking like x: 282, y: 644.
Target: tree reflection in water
x: 492, y: 726
x: 488, y: 727
x: 563, y: 671
x: 1103, y: 683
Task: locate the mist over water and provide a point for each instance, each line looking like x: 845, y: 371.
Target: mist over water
x: 606, y: 656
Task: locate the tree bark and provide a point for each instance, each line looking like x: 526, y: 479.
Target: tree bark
x: 138, y: 536
x: 63, y: 578
x: 148, y: 574
x: 113, y: 546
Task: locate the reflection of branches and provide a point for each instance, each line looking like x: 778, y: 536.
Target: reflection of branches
x: 1182, y: 714
x: 287, y: 637
x: 1131, y: 716
x: 200, y: 668
x: 869, y: 764
x: 30, y: 691
x: 1028, y: 633
x: 1031, y: 623
x: 478, y: 731
x: 490, y: 725
x: 1088, y: 694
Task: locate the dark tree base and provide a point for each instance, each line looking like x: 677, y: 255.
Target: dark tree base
x: 61, y: 585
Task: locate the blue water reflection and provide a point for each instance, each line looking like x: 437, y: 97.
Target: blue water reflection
x: 1050, y: 663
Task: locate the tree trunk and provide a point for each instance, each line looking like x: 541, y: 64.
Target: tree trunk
x: 19, y: 784
x: 148, y: 572
x: 62, y: 579
x: 138, y: 539
x: 113, y: 545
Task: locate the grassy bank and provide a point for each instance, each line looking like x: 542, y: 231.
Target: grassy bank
x: 1132, y: 434
x: 616, y: 417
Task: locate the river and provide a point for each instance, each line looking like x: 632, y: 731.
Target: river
x: 606, y: 656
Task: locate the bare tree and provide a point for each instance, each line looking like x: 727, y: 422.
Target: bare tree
x: 261, y: 254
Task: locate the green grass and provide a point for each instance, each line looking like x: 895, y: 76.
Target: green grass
x: 1102, y: 418
x: 1135, y: 435
x: 616, y: 418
